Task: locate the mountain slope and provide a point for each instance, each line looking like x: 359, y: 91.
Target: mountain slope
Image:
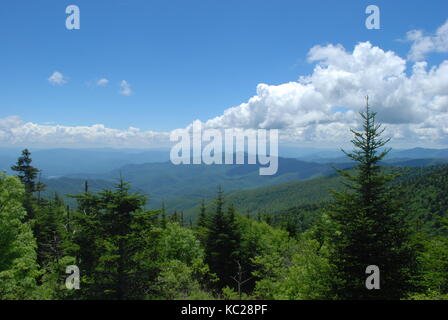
x: 425, y: 189
x: 182, y: 187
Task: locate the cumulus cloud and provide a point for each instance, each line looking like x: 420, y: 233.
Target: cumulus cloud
x: 15, y: 132
x: 102, y: 82
x: 413, y: 107
x: 424, y: 44
x: 125, y: 88
x: 57, y: 78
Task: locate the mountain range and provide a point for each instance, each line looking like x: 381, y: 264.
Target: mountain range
x: 183, y: 187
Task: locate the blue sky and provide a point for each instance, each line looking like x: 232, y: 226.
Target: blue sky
x: 184, y: 60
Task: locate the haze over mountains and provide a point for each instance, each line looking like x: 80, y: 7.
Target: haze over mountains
x: 61, y: 162
x: 182, y: 187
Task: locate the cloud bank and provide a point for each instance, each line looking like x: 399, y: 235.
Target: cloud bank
x: 15, y: 132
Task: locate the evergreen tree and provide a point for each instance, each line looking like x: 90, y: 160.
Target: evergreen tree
x: 163, y: 218
x: 202, y: 218
x: 110, y: 241
x: 222, y: 243
x: 116, y: 221
x: 368, y: 223
x: 26, y: 172
x: 46, y: 218
x: 202, y: 224
x: 27, y: 175
x: 49, y: 230
x: 86, y: 227
x: 175, y: 217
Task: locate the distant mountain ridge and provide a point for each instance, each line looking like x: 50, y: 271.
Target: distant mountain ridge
x: 64, y: 162
x: 182, y: 187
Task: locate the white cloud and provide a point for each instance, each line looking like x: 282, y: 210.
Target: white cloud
x: 15, y: 132
x: 423, y: 45
x: 125, y: 88
x: 57, y: 78
x: 412, y: 107
x: 102, y: 82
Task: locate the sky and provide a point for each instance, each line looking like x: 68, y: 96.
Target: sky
x: 136, y: 70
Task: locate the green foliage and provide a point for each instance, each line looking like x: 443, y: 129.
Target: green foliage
x: 178, y: 280
x: 434, y: 266
x: 18, y: 267
x: 27, y: 175
x: 425, y: 192
x: 290, y: 269
x: 202, y: 224
x: 49, y: 230
x: 429, y: 295
x: 222, y: 243
x: 279, y: 198
x: 109, y: 239
x: 26, y: 172
x: 230, y: 294
x: 368, y: 225
x: 179, y: 243
x: 178, y: 262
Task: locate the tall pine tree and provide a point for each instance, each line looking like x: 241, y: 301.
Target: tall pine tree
x: 109, y: 236
x: 368, y: 223
x: 223, y: 243
x: 27, y: 175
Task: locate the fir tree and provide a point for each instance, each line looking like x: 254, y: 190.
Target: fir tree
x: 202, y: 218
x: 163, y: 220
x: 368, y: 223
x: 27, y: 175
x: 222, y: 243
x: 202, y: 224
x: 109, y: 240
x: 26, y: 172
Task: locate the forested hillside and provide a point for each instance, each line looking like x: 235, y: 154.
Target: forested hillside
x: 294, y: 196
x: 182, y: 188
